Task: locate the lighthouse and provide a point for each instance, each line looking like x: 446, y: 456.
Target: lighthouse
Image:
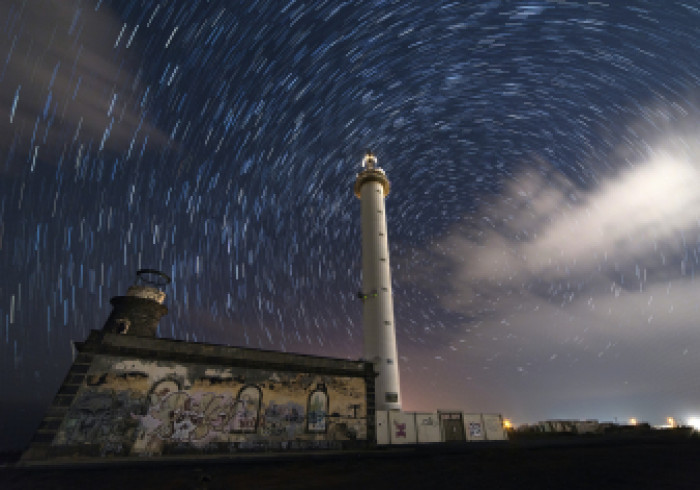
x: 371, y: 187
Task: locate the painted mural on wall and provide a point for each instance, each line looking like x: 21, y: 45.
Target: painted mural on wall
x: 145, y: 407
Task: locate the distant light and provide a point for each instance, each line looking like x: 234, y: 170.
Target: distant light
x: 507, y: 424
x: 633, y: 421
x: 694, y: 422
x: 671, y: 422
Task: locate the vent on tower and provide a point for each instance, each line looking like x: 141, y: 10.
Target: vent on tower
x: 139, y: 312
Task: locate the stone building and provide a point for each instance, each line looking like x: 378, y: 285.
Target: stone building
x: 129, y: 393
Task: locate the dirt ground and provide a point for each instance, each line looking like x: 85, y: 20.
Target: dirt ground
x: 574, y: 463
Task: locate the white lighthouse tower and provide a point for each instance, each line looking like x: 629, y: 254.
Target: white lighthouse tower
x: 371, y: 186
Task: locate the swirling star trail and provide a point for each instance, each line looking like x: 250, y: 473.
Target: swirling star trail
x: 544, y: 219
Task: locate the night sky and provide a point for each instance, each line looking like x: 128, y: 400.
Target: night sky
x: 544, y: 219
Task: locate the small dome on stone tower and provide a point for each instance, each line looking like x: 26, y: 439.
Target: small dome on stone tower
x: 139, y: 312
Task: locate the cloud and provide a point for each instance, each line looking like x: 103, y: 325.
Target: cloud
x: 544, y: 235
x: 574, y: 296
x: 66, y: 81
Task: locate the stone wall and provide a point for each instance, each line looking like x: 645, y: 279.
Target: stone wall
x: 132, y: 407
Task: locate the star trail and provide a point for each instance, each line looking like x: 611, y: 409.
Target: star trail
x: 544, y: 219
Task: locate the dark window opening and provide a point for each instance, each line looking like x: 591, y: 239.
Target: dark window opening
x: 123, y: 326
x: 317, y: 410
x: 246, y: 411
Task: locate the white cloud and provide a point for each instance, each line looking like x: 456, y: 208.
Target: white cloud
x: 634, y: 229
x: 576, y: 299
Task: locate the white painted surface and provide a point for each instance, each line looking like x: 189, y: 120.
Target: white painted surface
x: 402, y: 427
x: 493, y: 423
x: 383, y: 427
x: 474, y: 427
x: 378, y: 306
x: 427, y: 427
x: 395, y: 427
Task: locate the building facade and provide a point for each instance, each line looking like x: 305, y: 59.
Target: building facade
x: 129, y: 393
x: 132, y: 396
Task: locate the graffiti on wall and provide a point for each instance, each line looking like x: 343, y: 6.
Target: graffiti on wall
x: 284, y: 419
x: 197, y: 417
x: 400, y: 429
x: 101, y: 417
x: 475, y: 429
x: 142, y: 407
x: 180, y: 416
